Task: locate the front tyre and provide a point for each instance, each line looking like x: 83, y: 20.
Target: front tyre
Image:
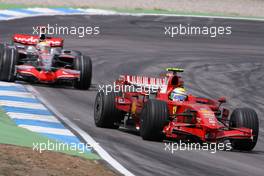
x: 8, y: 61
x: 84, y: 65
x: 1, y: 54
x: 153, y: 118
x: 106, y: 115
x: 244, y: 117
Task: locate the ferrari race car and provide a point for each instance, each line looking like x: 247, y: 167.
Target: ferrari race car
x: 156, y: 116
x: 28, y: 59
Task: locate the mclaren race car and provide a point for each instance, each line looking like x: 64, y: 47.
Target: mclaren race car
x: 156, y: 116
x: 43, y: 60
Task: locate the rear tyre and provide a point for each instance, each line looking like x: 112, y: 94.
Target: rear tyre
x: 1, y: 54
x: 84, y: 65
x: 106, y: 115
x: 244, y: 117
x: 153, y: 118
x: 8, y: 61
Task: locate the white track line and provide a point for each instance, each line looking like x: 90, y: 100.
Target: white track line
x: 106, y: 156
x: 45, y: 11
x: 13, y: 13
x: 47, y: 130
x: 9, y: 84
x: 18, y: 104
x: 98, y: 12
x: 44, y: 118
x: 16, y: 94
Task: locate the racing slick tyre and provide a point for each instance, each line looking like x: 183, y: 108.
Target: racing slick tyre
x: 106, y: 115
x: 76, y: 53
x: 8, y: 61
x: 84, y: 64
x: 1, y: 54
x: 244, y: 117
x: 153, y: 118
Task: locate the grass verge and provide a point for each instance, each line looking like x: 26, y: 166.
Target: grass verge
x: 137, y: 11
x: 14, y: 135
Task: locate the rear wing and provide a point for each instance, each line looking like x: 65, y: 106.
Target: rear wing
x: 174, y: 70
x: 33, y: 40
x: 143, y: 81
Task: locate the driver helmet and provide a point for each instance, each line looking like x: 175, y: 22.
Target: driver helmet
x: 42, y: 37
x: 178, y: 94
x: 31, y: 49
x: 43, y: 47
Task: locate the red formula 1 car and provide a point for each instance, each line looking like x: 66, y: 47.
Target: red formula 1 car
x: 156, y: 116
x: 43, y: 60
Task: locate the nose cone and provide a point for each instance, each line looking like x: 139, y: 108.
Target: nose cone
x: 47, y: 76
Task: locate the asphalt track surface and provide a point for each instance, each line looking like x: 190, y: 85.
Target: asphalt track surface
x: 231, y: 65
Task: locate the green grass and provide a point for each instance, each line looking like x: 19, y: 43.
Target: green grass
x: 135, y: 11
x: 9, y: 6
x: 14, y: 135
x: 18, y: 6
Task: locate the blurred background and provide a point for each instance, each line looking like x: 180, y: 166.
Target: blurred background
x: 244, y: 8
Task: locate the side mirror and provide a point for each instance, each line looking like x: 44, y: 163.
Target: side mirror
x: 225, y: 114
x: 222, y: 100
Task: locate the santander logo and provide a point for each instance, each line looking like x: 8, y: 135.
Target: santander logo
x: 34, y: 40
x: 26, y: 40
